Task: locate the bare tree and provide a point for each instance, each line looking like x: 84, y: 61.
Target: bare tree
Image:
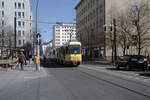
x: 6, y: 37
x: 133, y: 26
x: 124, y: 30
x: 139, y: 15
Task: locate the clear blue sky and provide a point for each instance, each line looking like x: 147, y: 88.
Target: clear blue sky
x: 53, y: 11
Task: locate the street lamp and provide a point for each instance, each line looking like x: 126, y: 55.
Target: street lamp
x: 38, y: 38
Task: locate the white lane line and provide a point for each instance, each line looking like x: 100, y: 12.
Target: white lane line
x: 137, y: 78
x: 31, y: 77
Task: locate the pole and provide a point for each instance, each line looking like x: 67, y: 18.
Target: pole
x: 15, y: 31
x: 37, y: 52
x: 115, y: 46
x: 88, y: 45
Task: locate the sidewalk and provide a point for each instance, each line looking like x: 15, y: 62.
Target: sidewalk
x: 17, y: 84
x: 31, y: 85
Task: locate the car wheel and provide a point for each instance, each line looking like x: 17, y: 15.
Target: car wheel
x: 127, y: 67
x: 117, y: 66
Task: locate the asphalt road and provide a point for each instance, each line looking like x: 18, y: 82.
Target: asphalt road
x: 86, y: 82
x: 91, y: 82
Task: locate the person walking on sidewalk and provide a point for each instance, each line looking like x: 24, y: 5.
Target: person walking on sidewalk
x: 22, y: 60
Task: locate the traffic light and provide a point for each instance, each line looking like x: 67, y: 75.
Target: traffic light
x: 128, y: 44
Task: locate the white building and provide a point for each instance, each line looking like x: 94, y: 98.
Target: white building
x: 62, y: 33
x: 21, y: 9
x: 46, y: 47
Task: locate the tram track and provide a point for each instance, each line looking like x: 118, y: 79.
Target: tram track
x: 118, y: 85
x: 120, y: 77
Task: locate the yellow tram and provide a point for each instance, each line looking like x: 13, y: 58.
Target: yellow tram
x: 70, y: 54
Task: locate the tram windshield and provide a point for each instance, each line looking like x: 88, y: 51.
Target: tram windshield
x: 75, y: 49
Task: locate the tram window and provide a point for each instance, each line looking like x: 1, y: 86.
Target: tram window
x: 75, y: 49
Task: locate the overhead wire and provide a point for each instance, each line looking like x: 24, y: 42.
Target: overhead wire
x: 42, y: 22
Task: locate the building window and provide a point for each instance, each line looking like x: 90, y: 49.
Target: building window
x: 23, y: 24
x: 19, y: 42
x: 15, y: 14
x: 23, y: 5
x: 2, y: 33
x: 23, y: 33
x: 15, y: 5
x: 19, y: 33
x: 23, y: 42
x: 2, y: 13
x: 2, y: 4
x: 19, y: 5
x: 2, y: 22
x: 19, y: 14
x: 23, y: 14
x: 19, y: 23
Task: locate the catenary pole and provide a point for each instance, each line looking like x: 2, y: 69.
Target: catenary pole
x: 37, y: 51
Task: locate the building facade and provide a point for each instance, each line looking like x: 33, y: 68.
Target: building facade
x: 62, y: 33
x: 21, y: 10
x: 92, y: 17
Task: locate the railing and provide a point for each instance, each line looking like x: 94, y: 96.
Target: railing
x: 5, y: 64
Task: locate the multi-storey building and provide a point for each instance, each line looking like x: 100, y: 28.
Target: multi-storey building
x: 21, y: 10
x: 92, y: 16
x: 62, y: 33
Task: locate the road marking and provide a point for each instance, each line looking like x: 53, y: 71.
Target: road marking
x: 137, y: 78
x: 31, y: 77
x: 145, y: 80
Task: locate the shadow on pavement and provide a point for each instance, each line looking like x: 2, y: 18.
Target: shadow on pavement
x: 54, y: 65
x: 146, y: 74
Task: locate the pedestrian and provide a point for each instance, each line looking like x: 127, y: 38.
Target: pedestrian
x: 30, y: 59
x: 22, y: 60
x: 44, y: 60
x: 36, y: 59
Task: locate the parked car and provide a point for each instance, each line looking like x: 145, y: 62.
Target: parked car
x: 132, y: 61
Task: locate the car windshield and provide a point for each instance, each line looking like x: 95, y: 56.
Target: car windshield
x: 75, y: 49
x: 141, y: 57
x: 124, y: 58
